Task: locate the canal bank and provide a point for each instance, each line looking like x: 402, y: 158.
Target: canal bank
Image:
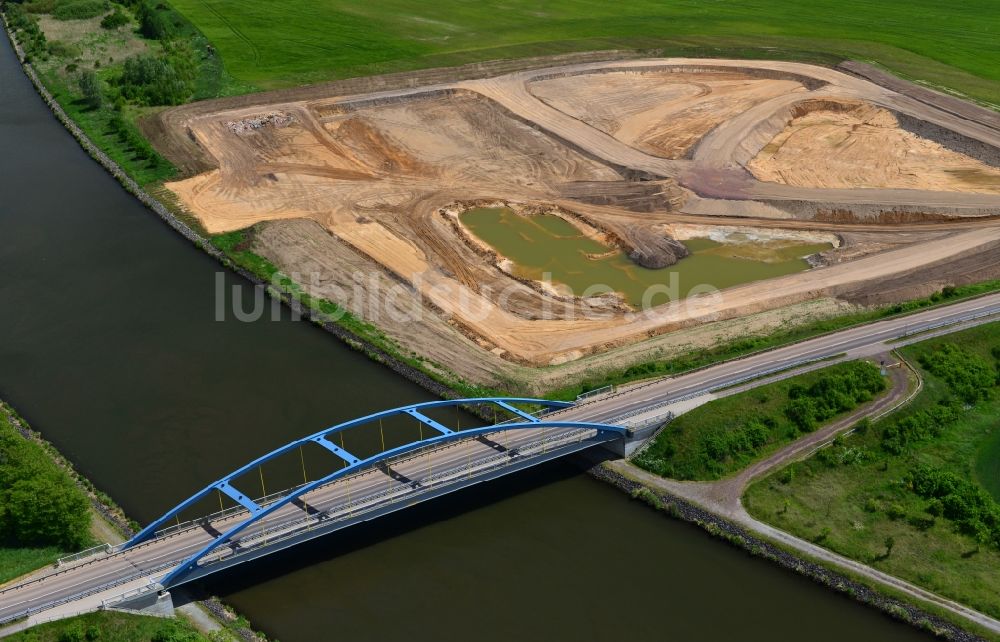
x: 788, y: 559
x: 130, y: 375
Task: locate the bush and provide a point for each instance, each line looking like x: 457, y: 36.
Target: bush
x: 140, y: 147
x: 90, y: 87
x: 40, y: 6
x: 60, y: 49
x: 31, y: 37
x: 970, y: 507
x: 150, y: 80
x: 969, y: 375
x: 154, y: 23
x: 832, y: 395
x: 919, y: 427
x: 115, y: 19
x: 79, y: 9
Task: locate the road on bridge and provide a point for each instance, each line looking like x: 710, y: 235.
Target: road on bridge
x: 86, y: 583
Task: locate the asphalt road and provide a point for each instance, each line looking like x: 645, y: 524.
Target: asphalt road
x: 377, y: 486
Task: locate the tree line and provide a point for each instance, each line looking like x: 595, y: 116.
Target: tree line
x: 40, y: 504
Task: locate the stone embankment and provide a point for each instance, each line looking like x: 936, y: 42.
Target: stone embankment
x: 758, y: 547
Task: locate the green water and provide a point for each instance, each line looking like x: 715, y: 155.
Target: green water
x: 549, y: 247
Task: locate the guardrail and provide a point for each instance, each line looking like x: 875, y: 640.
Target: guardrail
x: 266, y: 500
x: 129, y: 594
x: 92, y: 591
x: 374, y: 501
x: 84, y: 554
x: 944, y: 324
x: 597, y: 392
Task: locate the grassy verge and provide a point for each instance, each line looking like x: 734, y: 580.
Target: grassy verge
x: 903, y: 496
x: 16, y: 561
x: 726, y: 435
x: 237, y: 247
x: 748, y: 345
x: 111, y: 626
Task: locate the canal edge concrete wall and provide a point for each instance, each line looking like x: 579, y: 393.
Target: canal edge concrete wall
x: 741, y: 538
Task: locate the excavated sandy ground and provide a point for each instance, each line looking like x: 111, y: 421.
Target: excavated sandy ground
x: 861, y: 145
x: 660, y: 112
x: 358, y: 198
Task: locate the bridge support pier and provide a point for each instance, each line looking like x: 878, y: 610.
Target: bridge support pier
x: 159, y: 603
x: 637, y: 436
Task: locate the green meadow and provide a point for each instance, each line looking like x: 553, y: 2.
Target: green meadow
x: 280, y: 44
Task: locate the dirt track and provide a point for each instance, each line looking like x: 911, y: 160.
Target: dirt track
x: 659, y: 143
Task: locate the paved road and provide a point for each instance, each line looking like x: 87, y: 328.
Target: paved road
x: 377, y: 486
x: 403, y: 481
x: 858, y: 342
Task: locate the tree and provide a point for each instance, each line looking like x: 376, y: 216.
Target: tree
x: 153, y: 80
x: 90, y: 87
x: 115, y: 19
x: 46, y: 511
x: 890, y: 541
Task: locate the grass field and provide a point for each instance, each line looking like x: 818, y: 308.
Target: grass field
x: 988, y: 465
x: 726, y: 435
x: 278, y: 44
x: 110, y: 626
x: 15, y: 562
x: 860, y: 497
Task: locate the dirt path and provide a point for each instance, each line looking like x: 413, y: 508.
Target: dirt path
x: 725, y: 494
x: 723, y: 497
x: 742, y: 518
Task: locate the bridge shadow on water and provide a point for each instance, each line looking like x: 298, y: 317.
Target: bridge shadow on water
x: 398, y: 524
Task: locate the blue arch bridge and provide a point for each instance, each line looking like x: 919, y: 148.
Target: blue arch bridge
x: 361, y: 488
x: 354, y: 487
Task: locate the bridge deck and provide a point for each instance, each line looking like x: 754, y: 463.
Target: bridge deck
x: 401, y: 483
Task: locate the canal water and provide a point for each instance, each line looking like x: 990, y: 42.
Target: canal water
x: 109, y: 346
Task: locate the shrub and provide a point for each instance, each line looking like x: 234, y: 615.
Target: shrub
x: 40, y: 6
x: 151, y: 80
x: 969, y: 375
x: 115, y: 19
x: 79, y: 9
x: 970, y: 507
x: 919, y: 427
x: 60, y: 49
x: 832, y: 395
x: 90, y: 87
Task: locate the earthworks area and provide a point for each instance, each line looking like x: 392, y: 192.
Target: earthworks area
x: 466, y: 218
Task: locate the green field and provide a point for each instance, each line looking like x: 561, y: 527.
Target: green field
x: 868, y: 496
x: 726, y: 435
x: 278, y: 44
x: 110, y: 626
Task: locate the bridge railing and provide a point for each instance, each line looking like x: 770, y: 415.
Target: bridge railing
x: 84, y: 554
x: 197, y: 522
x: 269, y: 499
x: 373, y: 501
x: 26, y: 613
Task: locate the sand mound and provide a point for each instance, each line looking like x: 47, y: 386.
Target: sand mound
x: 855, y: 144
